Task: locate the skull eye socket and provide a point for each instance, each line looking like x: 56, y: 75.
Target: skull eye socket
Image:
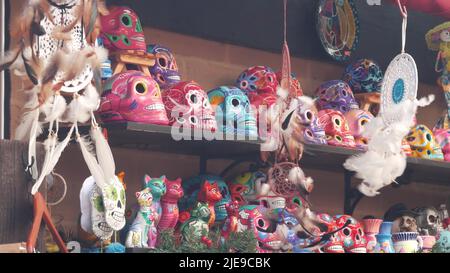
x: 161, y: 78
x: 162, y: 61
x: 432, y: 219
x: 193, y: 98
x: 125, y: 40
x: 244, y: 84
x: 344, y: 93
x: 261, y: 223
x: 235, y: 102
x: 309, y: 133
x: 126, y: 20
x: 338, y: 138
x: 346, y: 231
x: 337, y: 121
x: 360, y: 232
x: 141, y: 88
x: 270, y: 78
x: 428, y: 137
x: 410, y: 139
x: 193, y: 120
x: 363, y: 122
x: 309, y: 115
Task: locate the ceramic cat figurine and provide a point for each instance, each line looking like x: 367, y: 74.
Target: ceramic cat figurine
x: 158, y: 189
x: 231, y: 223
x: 210, y: 194
x: 196, y: 227
x: 169, y: 204
x: 142, y: 233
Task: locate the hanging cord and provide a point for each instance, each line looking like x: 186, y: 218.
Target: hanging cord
x: 404, y: 14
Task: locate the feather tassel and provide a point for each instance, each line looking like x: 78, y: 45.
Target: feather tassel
x: 89, y: 158
x: 104, y: 154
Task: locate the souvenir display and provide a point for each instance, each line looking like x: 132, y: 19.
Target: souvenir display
x: 233, y: 112
x: 443, y: 139
x: 357, y: 120
x: 363, y: 76
x: 216, y: 194
x: 142, y: 233
x: 338, y: 28
x: 122, y: 30
x: 335, y: 95
x: 169, y: 204
x: 165, y: 71
x: 423, y: 144
x: 132, y: 96
x: 336, y: 128
x: 187, y: 106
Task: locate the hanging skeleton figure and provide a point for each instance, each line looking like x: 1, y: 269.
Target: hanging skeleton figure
x: 57, y: 54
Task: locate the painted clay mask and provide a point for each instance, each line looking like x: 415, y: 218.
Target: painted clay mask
x: 122, y: 30
x: 132, y: 96
x: 165, y: 71
x: 336, y: 129
x: 352, y: 235
x: 335, y: 95
x: 357, y: 119
x: 328, y: 225
x: 234, y: 114
x: 364, y: 76
x: 423, y: 143
x: 443, y: 138
x: 187, y: 105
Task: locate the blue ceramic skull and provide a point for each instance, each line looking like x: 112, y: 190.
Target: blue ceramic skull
x: 191, y: 187
x: 234, y: 114
x: 165, y: 71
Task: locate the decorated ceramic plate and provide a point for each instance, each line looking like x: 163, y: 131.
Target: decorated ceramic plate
x: 400, y: 81
x: 338, y: 27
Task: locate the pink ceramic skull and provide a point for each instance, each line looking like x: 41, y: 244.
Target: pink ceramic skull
x: 122, y: 30
x: 336, y: 128
x: 357, y: 119
x: 443, y: 138
x: 328, y: 225
x: 132, y: 96
x: 352, y: 234
x: 187, y: 104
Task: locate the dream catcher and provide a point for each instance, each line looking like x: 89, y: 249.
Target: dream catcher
x: 384, y: 161
x: 338, y: 28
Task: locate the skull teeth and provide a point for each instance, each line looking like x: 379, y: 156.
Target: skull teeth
x: 359, y: 250
x: 175, y: 78
x: 103, y: 226
x: 138, y: 38
x: 157, y: 106
x: 335, y: 248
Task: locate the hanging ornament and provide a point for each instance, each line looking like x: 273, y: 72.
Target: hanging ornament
x: 338, y: 28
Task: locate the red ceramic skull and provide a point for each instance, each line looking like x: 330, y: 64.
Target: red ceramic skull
x: 187, y: 104
x: 327, y: 225
x: 259, y: 79
x: 132, y: 96
x: 122, y: 30
x: 352, y: 234
x: 336, y: 128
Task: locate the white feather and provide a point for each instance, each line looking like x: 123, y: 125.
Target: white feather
x: 91, y: 162
x: 85, y: 204
x: 22, y: 132
x: 54, y: 108
x: 104, y: 154
x: 81, y: 107
x: 283, y: 93
x: 49, y: 145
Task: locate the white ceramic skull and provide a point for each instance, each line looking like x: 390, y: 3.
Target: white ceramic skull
x: 428, y: 220
x: 114, y: 201
x: 269, y: 199
x: 404, y: 223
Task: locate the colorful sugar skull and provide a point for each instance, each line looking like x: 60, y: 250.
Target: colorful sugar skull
x: 423, y: 144
x: 165, y: 71
x: 114, y: 201
x: 352, y: 235
x: 132, y: 96
x: 336, y: 129
x: 233, y: 111
x: 336, y: 95
x: 443, y: 242
x: 328, y: 225
x: 364, y: 76
x: 258, y: 79
x: 295, y: 84
x: 443, y: 138
x: 187, y: 105
x: 315, y: 133
x: 122, y: 30
x: 357, y: 119
x: 296, y: 240
x: 243, y: 187
x: 267, y: 232
x: 191, y: 189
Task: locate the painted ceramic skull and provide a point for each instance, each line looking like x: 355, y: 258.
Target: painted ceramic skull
x: 336, y: 128
x: 243, y: 187
x: 428, y: 221
x: 297, y: 240
x: 122, y: 30
x: 335, y: 95
x: 114, y: 200
x: 191, y: 188
x: 352, y: 235
x: 268, y: 233
x: 443, y: 139
x: 364, y: 76
x: 423, y: 143
x: 165, y: 71
x: 443, y: 242
x: 234, y: 114
x: 404, y: 223
x: 132, y: 96
x: 258, y: 79
x: 187, y: 105
x: 273, y: 203
x: 357, y: 119
x: 327, y: 225
x: 295, y: 83
x: 315, y: 133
